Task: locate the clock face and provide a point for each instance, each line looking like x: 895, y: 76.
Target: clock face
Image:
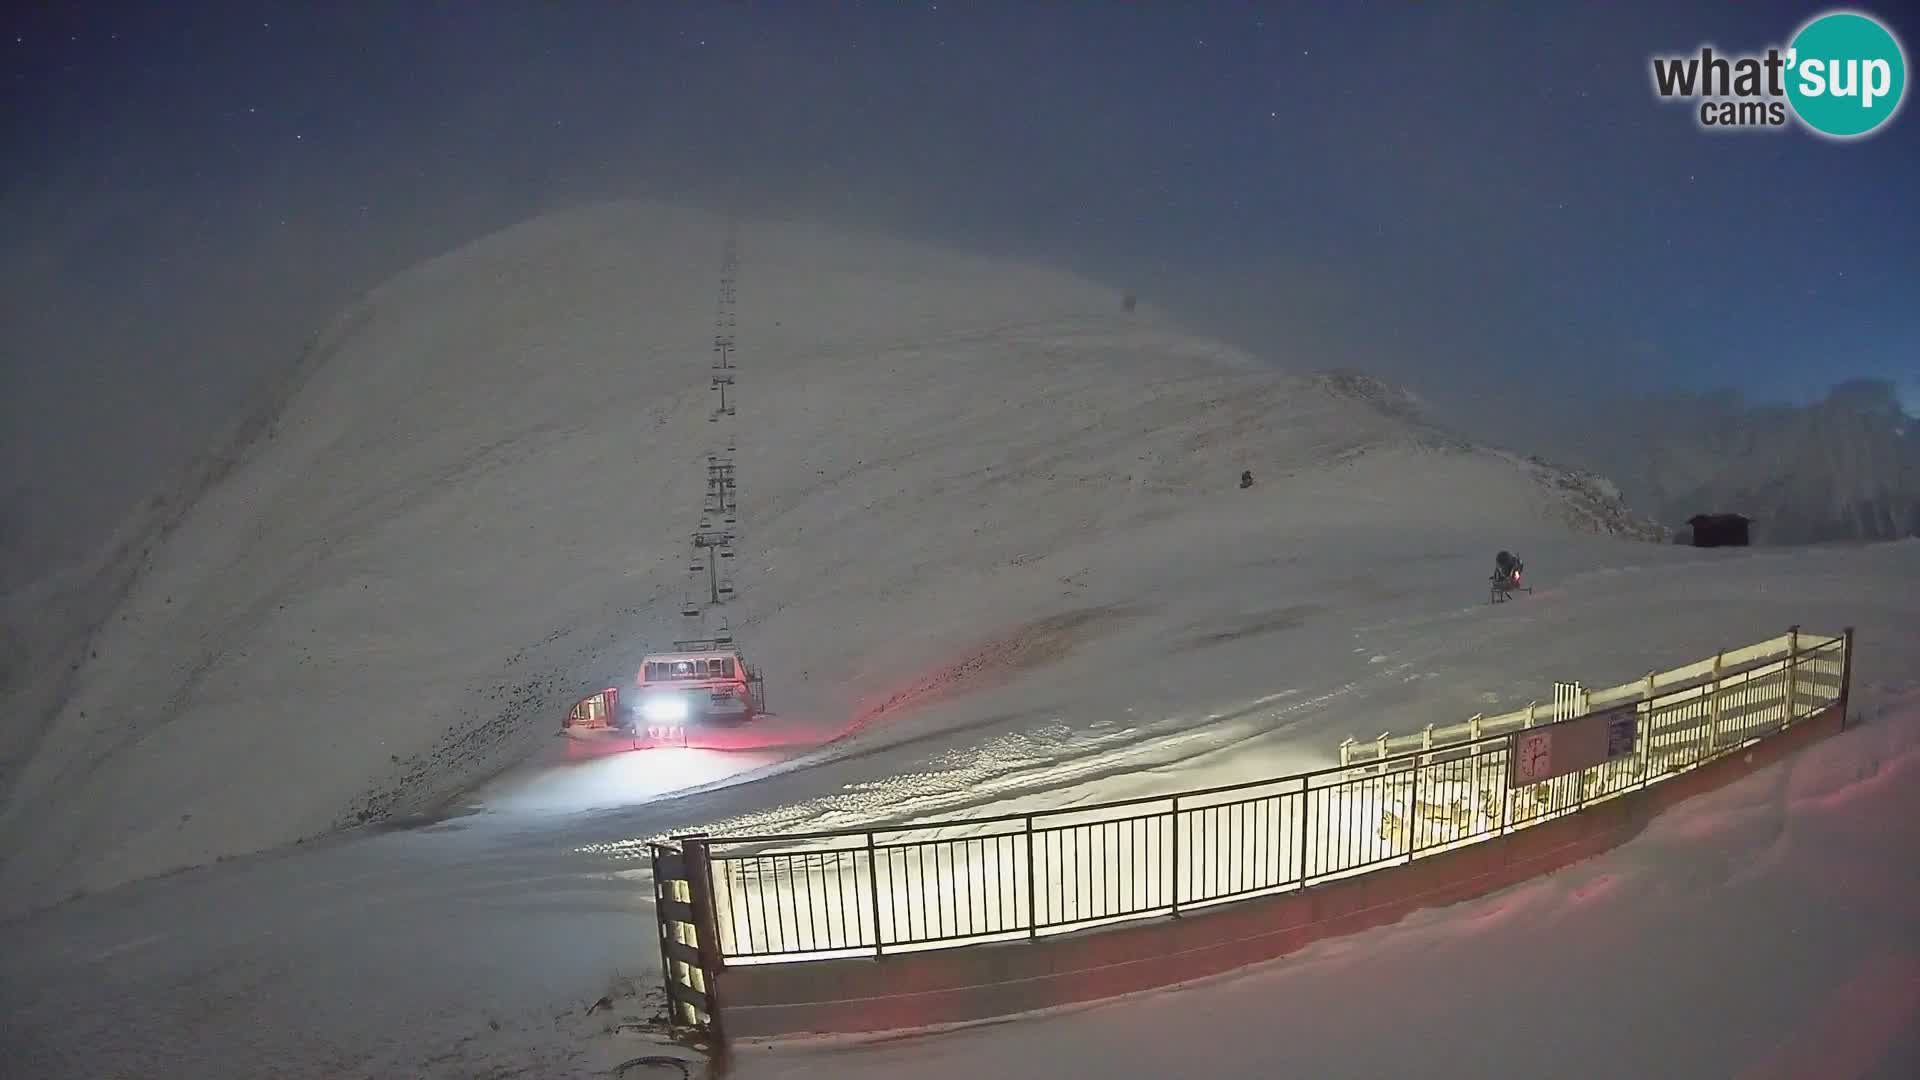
x: 1535, y: 755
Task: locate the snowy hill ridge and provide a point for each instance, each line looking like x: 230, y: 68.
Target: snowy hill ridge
x: 476, y: 508
x: 1585, y: 500
x: 49, y: 626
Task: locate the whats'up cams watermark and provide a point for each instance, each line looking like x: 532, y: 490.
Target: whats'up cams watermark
x: 1842, y: 76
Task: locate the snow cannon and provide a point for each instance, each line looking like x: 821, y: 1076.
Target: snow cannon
x: 1507, y: 572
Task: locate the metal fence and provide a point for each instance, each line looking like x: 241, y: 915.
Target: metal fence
x: 880, y: 890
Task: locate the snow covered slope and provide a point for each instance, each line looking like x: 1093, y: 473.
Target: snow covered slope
x: 952, y: 471
x: 474, y: 946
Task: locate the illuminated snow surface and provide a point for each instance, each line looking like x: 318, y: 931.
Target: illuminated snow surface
x: 997, y: 559
x: 1767, y: 930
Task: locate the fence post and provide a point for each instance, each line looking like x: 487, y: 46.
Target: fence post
x: 1793, y: 674
x: 1346, y: 751
x: 1305, y: 789
x: 1643, y: 740
x: 1846, y: 676
x: 1413, y: 807
x: 873, y: 888
x: 700, y: 891
x: 1713, y: 704
x: 1506, y: 784
x: 1175, y: 876
x: 1033, y: 886
x: 1530, y: 717
x: 1473, y: 735
x: 1643, y: 744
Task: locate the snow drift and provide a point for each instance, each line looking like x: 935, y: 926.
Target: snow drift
x: 474, y: 946
x: 475, y: 508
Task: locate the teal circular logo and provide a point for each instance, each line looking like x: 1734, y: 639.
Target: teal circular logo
x: 1845, y: 74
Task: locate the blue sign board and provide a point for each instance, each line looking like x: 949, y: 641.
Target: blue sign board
x: 1622, y: 726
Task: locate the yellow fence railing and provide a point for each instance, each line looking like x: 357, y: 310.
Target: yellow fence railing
x: 1573, y: 699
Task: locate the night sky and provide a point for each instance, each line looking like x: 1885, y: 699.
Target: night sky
x: 1456, y: 197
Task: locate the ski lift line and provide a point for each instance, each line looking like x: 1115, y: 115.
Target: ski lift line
x: 710, y: 544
